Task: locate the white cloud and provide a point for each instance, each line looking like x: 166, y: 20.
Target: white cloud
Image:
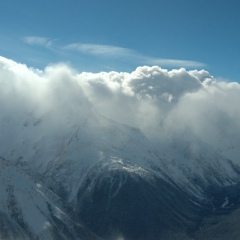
x: 158, y: 101
x: 165, y: 103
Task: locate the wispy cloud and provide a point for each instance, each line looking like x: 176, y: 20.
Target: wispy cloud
x: 40, y: 41
x: 111, y: 52
x: 173, y: 62
x: 119, y: 52
x: 100, y: 49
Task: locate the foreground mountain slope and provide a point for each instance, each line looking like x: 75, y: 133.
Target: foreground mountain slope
x: 115, y: 181
x: 28, y: 210
x: 220, y: 227
x: 119, y: 184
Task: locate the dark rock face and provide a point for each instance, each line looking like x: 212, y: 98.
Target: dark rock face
x: 124, y: 203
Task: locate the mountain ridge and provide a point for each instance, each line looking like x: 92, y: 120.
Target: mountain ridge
x: 121, y: 159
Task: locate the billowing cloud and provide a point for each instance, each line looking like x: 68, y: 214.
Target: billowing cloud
x: 161, y: 103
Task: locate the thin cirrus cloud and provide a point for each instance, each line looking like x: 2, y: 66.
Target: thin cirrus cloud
x: 120, y: 52
x: 40, y: 41
x: 100, y: 49
x: 110, y: 52
x: 173, y: 62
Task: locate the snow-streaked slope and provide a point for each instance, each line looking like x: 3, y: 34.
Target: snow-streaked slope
x: 102, y: 142
x: 62, y: 153
x: 98, y: 166
x: 28, y: 210
x: 196, y: 165
x: 185, y: 160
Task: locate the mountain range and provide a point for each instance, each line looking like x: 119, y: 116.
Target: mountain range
x: 95, y: 178
x: 70, y: 171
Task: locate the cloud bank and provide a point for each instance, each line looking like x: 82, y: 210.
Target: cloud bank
x: 159, y: 102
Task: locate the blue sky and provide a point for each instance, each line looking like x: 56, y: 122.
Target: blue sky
x: 94, y: 35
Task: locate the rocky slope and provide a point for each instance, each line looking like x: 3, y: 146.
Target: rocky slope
x: 110, y: 178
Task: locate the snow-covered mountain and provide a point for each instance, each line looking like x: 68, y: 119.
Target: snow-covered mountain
x: 111, y: 178
x: 68, y: 172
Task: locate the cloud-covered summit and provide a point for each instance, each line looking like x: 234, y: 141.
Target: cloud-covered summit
x: 161, y: 103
